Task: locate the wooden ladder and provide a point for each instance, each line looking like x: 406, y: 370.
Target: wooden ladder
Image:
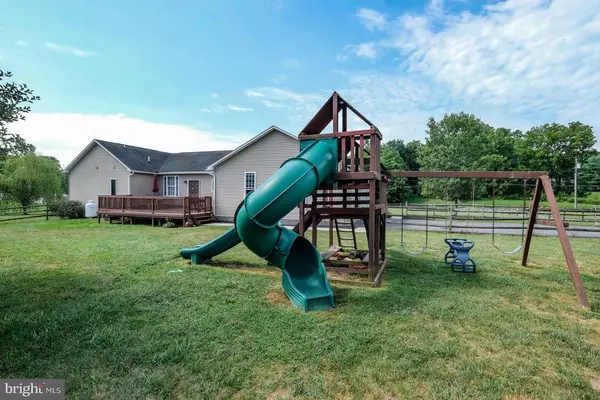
x: 346, y: 241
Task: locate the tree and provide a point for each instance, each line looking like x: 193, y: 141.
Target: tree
x: 461, y: 142
x: 391, y: 159
x: 14, y: 104
x: 590, y: 175
x: 555, y: 148
x: 30, y: 177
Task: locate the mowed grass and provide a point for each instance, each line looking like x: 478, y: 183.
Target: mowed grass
x: 96, y: 305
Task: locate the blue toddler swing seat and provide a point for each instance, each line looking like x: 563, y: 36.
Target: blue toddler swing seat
x: 458, y: 256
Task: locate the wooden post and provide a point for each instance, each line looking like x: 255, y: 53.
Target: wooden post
x: 47, y: 211
x: 335, y: 112
x: 372, y: 231
x: 301, y: 228
x: 564, y: 241
x: 361, y: 165
x: 533, y: 209
x: 330, y: 232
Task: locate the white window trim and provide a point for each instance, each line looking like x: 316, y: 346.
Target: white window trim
x: 213, y: 184
x: 110, y: 186
x: 165, y: 189
x: 188, y: 186
x: 245, y: 187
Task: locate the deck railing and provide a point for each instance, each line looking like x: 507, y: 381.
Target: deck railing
x: 155, y: 204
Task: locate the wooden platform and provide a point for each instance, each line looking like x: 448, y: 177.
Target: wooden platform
x: 197, y: 209
x: 353, y: 266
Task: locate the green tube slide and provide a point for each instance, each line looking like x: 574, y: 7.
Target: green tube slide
x: 257, y: 224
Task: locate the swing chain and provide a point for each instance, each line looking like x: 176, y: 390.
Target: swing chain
x: 520, y: 246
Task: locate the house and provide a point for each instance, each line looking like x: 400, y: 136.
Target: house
x: 113, y: 169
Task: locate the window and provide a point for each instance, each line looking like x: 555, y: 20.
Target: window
x: 249, y: 182
x: 113, y: 187
x: 171, y: 186
x: 212, y: 188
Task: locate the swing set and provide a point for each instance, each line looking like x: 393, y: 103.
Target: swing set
x: 458, y: 256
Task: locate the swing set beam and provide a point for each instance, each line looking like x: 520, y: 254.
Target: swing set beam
x: 542, y: 183
x: 469, y: 174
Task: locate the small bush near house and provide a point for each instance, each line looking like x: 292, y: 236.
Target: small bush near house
x: 68, y: 209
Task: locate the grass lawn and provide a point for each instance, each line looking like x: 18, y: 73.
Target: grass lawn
x: 97, y: 306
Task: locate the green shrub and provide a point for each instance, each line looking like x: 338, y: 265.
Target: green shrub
x: 69, y: 209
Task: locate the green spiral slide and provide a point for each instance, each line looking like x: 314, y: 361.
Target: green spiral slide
x: 257, y: 224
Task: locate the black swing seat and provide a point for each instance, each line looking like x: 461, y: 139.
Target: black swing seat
x: 458, y: 256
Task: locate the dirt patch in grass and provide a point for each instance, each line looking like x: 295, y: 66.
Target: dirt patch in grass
x: 245, y: 268
x: 595, y: 385
x: 279, y: 393
x: 278, y: 298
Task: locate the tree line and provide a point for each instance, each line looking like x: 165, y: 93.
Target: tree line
x: 24, y: 175
x: 463, y: 142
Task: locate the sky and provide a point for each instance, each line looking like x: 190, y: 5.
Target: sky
x: 197, y: 75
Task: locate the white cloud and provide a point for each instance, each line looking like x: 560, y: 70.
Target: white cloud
x: 271, y: 104
x: 213, y: 110
x: 219, y: 109
x: 65, y: 135
x: 435, y: 7
x: 279, y: 78
x: 299, y: 105
x: 21, y: 42
x: 290, y: 63
x: 59, y: 48
x: 515, y: 63
x: 253, y: 93
x: 365, y: 50
x: 237, y: 108
x: 341, y: 57
x: 372, y: 19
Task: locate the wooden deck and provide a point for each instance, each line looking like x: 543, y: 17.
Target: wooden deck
x: 198, y: 209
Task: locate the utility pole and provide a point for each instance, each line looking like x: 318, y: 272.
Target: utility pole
x: 577, y: 167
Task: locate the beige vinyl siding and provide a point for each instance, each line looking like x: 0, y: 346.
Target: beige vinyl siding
x: 263, y: 157
x: 205, y: 184
x: 141, y: 184
x: 91, y: 176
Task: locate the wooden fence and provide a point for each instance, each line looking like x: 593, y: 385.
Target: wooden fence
x: 467, y: 212
x: 16, y: 213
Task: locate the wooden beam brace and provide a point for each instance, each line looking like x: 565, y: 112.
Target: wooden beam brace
x: 533, y: 209
x: 361, y: 133
x: 549, y: 222
x: 469, y: 174
x: 350, y: 176
x: 564, y: 241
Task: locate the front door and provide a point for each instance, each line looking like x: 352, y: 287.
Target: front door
x: 194, y: 188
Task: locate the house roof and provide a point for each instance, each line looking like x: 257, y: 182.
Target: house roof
x: 193, y: 161
x: 136, y: 158
x: 255, y: 139
x: 140, y: 159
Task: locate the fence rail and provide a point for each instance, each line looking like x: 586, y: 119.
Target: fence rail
x: 17, y: 213
x: 477, y: 212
